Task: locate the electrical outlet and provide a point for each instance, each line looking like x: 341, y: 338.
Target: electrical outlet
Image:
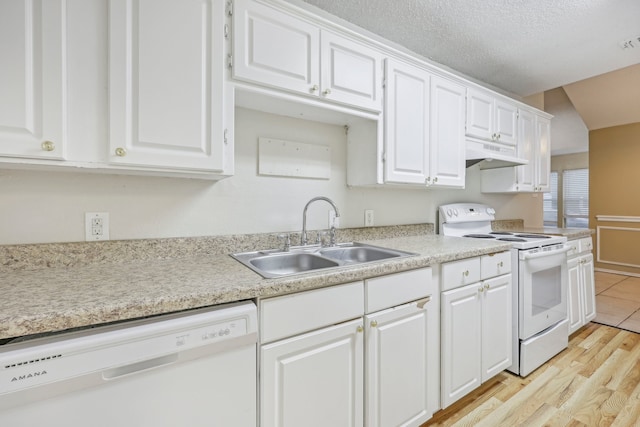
x: 96, y: 226
x: 368, y: 218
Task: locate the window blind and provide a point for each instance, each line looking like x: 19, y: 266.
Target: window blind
x: 575, y: 200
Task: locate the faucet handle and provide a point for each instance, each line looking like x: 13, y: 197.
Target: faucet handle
x: 286, y: 238
x: 321, y: 237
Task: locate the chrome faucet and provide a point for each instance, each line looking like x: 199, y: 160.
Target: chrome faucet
x: 303, y: 237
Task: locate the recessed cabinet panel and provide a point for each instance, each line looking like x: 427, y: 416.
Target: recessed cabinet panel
x: 397, y: 374
x: 543, y: 172
x: 351, y: 72
x: 479, y: 115
x: 507, y: 122
x: 166, y: 92
x: 496, y: 326
x: 33, y: 98
x: 447, y: 143
x: 275, y: 49
x: 461, y: 342
x: 315, y: 379
x: 407, y: 124
x: 527, y: 149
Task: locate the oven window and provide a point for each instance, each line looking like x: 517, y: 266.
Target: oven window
x: 546, y: 289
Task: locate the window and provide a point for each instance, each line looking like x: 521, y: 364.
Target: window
x: 575, y: 184
x: 550, y: 202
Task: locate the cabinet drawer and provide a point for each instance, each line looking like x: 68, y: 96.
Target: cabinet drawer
x: 574, y: 247
x: 493, y: 265
x: 460, y: 273
x: 586, y: 244
x: 289, y: 315
x: 395, y: 289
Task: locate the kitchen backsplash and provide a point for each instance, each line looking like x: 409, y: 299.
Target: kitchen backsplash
x: 507, y: 224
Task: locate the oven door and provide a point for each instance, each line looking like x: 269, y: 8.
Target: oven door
x: 543, y: 279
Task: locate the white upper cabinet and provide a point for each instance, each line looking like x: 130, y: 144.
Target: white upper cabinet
x: 351, y: 72
x: 33, y: 101
x: 283, y: 51
x: 543, y: 154
x: 424, y: 141
x: 166, y: 85
x: 406, y: 116
x: 490, y: 118
x: 274, y: 48
x: 534, y: 139
x: 447, y: 143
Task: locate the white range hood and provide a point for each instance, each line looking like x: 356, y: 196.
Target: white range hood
x: 492, y: 155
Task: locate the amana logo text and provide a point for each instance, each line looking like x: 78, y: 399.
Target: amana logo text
x: 27, y: 376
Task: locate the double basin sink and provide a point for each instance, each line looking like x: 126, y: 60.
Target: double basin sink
x: 275, y: 263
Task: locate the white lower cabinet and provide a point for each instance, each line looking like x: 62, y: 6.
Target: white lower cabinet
x: 324, y: 362
x: 582, y: 294
x: 476, y: 330
x: 314, y: 379
x: 398, y: 374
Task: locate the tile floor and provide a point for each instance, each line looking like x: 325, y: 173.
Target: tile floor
x: 618, y: 301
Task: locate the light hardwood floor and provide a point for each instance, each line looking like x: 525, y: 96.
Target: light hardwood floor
x: 594, y: 382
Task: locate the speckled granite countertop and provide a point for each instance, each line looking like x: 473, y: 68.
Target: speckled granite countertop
x: 569, y: 233
x: 62, y: 293
x: 517, y: 225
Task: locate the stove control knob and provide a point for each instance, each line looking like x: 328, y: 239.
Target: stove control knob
x: 491, y: 211
x: 455, y: 212
x: 449, y: 212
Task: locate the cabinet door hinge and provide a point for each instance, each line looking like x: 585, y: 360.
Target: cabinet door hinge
x: 384, y: 156
x: 229, y: 60
x: 346, y: 129
x: 230, y: 8
x: 226, y: 31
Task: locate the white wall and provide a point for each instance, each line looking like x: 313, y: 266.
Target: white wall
x: 41, y: 207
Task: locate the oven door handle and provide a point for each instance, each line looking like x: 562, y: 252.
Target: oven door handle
x: 545, y: 253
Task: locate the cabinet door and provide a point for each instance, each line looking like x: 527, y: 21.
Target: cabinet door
x: 480, y: 112
x: 276, y: 49
x: 543, y: 156
x: 461, y: 342
x: 527, y: 150
x: 447, y: 143
x: 506, y: 128
x: 315, y: 379
x: 166, y: 84
x: 496, y: 326
x: 588, y: 288
x: 406, y: 123
x: 33, y: 104
x: 575, y: 300
x: 351, y: 72
x: 396, y: 364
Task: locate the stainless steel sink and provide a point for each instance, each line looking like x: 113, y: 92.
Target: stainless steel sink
x: 289, y: 263
x: 302, y: 259
x: 358, y: 253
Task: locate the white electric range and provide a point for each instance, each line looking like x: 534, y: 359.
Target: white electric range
x: 539, y: 276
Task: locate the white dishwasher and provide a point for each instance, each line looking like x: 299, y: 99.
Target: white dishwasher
x: 194, y: 368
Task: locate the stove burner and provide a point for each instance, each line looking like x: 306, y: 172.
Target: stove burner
x: 533, y: 236
x: 502, y: 233
x: 480, y: 236
x: 512, y: 239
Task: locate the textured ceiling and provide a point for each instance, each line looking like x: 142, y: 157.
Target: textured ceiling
x: 523, y: 47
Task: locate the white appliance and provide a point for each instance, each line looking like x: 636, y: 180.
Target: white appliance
x: 195, y: 368
x: 540, y: 278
